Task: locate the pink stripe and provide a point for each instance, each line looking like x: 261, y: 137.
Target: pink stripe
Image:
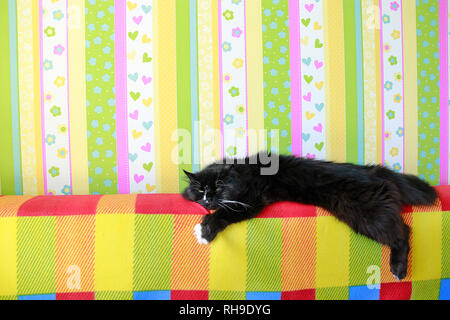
x: 221, y: 78
x: 296, y: 88
x: 382, y: 84
x: 443, y: 48
x: 68, y: 104
x: 403, y: 84
x: 41, y: 59
x: 246, y: 87
x: 120, y: 21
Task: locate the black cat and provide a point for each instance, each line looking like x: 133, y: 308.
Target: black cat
x: 367, y: 198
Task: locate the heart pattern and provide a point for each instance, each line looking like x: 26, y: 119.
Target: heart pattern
x: 140, y: 88
x: 313, y: 79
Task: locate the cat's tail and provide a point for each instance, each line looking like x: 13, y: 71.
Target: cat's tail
x: 415, y: 191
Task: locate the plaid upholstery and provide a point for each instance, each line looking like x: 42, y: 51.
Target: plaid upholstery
x: 142, y: 247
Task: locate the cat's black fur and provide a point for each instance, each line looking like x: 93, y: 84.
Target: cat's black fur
x: 367, y: 198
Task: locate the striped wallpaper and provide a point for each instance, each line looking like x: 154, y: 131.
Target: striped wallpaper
x: 111, y: 96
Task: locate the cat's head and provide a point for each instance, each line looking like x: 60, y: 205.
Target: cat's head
x: 213, y: 187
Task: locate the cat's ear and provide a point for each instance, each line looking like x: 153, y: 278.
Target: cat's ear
x: 190, y: 175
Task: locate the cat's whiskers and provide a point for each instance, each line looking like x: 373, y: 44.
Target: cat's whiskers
x: 237, y: 202
x: 224, y: 206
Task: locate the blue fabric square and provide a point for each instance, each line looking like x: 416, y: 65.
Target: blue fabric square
x: 364, y: 293
x: 263, y: 295
x: 38, y: 297
x: 445, y: 290
x: 152, y: 295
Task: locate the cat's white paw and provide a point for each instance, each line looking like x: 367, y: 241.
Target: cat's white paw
x: 198, y: 234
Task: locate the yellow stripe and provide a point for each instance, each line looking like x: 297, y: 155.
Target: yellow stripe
x: 333, y: 255
x: 8, y: 244
x: 26, y: 97
x: 410, y: 83
x: 335, y: 73
x: 379, y: 86
x: 155, y: 98
x: 37, y: 100
x: 255, y: 108
x: 114, y: 235
x: 228, y: 264
x: 370, y: 19
x: 166, y: 96
x: 206, y: 82
x: 77, y: 102
x: 216, y: 104
x: 426, y: 246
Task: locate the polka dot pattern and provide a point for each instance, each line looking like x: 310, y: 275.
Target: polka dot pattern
x: 276, y: 66
x: 428, y: 89
x: 100, y: 94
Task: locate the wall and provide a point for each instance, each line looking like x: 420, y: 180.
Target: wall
x: 93, y: 93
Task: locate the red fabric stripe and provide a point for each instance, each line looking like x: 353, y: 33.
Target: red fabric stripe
x: 396, y: 291
x: 167, y: 204
x: 288, y: 210
x: 309, y: 294
x: 188, y: 295
x: 407, y: 209
x: 76, y: 296
x: 59, y: 206
x: 444, y: 195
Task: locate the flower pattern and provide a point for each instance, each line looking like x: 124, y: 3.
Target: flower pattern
x: 56, y: 109
x: 393, y: 83
x: 233, y: 86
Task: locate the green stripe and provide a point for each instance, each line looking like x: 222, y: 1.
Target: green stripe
x: 276, y: 73
x: 183, y: 88
x: 335, y: 293
x: 114, y: 295
x: 445, y: 263
x: 360, y: 79
x: 425, y: 290
x: 264, y: 270
x: 428, y: 90
x: 351, y: 92
x: 15, y: 98
x: 36, y: 255
x: 100, y: 111
x: 152, y: 252
x: 364, y: 253
x: 227, y: 295
x: 6, y: 141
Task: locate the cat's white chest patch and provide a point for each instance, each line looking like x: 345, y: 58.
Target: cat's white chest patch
x: 198, y: 234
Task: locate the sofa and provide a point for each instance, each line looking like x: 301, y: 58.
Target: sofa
x: 142, y: 247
